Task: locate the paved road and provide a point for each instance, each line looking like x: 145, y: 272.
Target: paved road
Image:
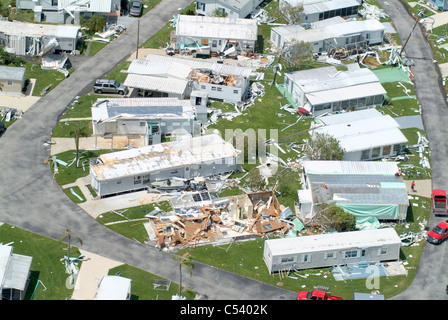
x: 30, y: 198
x: 432, y: 274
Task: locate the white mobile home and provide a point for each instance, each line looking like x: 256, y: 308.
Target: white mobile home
x: 113, y: 288
x: 14, y: 274
x: 216, y: 34
x: 233, y: 8
x: 364, y: 134
x: 166, y: 76
x: 151, y: 119
x: 69, y: 11
x: 370, y: 190
x: 328, y: 250
x: 136, y: 169
x: 346, y: 34
x: 317, y: 10
x: 27, y: 38
x: 327, y: 90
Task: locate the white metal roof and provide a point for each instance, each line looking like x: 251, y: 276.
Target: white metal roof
x: 167, y: 68
x: 350, y: 167
x: 327, y: 5
x: 350, y: 116
x: 333, y: 241
x: 113, y: 288
x: 346, y: 93
x: 365, y: 133
x: 161, y: 156
x: 327, y: 78
x: 154, y: 83
x: 217, y: 27
x: 17, y: 272
x: 5, y: 255
x: 147, y: 108
x: 333, y: 31
x: 38, y: 30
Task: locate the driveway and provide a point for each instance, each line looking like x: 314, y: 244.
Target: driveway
x: 32, y: 200
x: 432, y: 274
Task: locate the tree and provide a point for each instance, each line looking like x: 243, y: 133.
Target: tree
x: 96, y: 22
x: 68, y: 235
x: 339, y: 219
x: 218, y: 12
x: 184, y: 261
x: 291, y: 14
x: 298, y: 53
x: 322, y: 146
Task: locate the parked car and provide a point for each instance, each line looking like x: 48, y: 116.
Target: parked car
x: 439, y: 202
x: 439, y: 233
x: 136, y: 8
x: 109, y: 86
x: 316, y: 295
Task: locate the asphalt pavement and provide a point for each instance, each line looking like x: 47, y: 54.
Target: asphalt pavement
x: 432, y: 273
x: 31, y: 199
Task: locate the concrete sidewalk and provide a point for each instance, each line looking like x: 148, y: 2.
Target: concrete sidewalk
x: 90, y: 274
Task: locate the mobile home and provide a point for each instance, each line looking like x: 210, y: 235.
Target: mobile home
x: 327, y: 250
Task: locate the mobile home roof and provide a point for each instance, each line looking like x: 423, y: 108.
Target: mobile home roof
x: 333, y: 241
x: 217, y: 27
x: 162, y: 156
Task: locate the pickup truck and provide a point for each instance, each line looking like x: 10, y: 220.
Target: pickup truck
x: 439, y: 233
x: 316, y: 295
x: 439, y: 205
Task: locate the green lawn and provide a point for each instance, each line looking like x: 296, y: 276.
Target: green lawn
x: 44, y: 78
x: 67, y: 129
x: 46, y: 266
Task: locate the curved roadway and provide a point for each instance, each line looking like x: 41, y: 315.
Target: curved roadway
x: 32, y: 200
x: 432, y: 273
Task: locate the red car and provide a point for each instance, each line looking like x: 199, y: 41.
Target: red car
x: 439, y: 233
x: 439, y: 202
x: 316, y: 295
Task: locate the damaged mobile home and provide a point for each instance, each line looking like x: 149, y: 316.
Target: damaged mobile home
x: 370, y: 190
x: 332, y: 249
x: 216, y: 35
x: 326, y: 89
x: 70, y: 11
x: 330, y: 34
x: 233, y: 8
x: 200, y: 218
x: 317, y: 10
x: 167, y: 76
x: 14, y: 274
x: 141, y: 122
x: 29, y: 38
x: 137, y: 169
x: 364, y: 134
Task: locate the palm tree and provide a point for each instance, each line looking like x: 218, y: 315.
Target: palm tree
x: 187, y: 263
x: 68, y: 235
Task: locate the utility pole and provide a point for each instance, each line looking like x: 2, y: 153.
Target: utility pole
x: 412, y: 30
x: 278, y: 63
x: 138, y: 40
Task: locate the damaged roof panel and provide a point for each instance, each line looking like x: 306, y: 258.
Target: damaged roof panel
x: 161, y: 156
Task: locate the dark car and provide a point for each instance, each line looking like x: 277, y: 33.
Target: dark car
x: 136, y: 8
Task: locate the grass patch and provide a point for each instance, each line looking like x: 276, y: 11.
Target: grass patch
x: 74, y: 198
x: 69, y: 174
x: 117, y: 73
x: 44, y: 78
x: 67, y: 129
x: 95, y: 47
x: 46, y: 265
x: 82, y: 109
x: 129, y: 222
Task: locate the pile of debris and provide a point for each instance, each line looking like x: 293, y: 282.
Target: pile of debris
x: 199, y: 218
x: 372, y: 12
